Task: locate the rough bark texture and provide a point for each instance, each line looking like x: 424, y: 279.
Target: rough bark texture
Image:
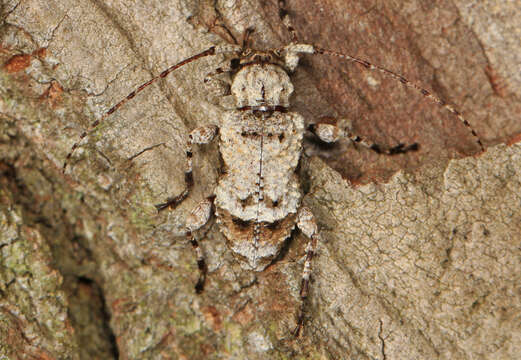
x: 425, y: 265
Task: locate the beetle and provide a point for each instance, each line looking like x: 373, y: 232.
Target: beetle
x: 257, y: 201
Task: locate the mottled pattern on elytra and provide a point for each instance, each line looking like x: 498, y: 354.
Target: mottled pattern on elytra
x: 257, y: 244
x: 259, y: 190
x: 260, y: 153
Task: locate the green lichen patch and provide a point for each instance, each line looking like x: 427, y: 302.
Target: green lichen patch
x: 34, y: 316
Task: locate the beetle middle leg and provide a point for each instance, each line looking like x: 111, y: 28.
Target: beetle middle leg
x: 329, y: 133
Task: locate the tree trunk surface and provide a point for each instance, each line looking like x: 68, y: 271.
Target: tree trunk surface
x: 419, y: 255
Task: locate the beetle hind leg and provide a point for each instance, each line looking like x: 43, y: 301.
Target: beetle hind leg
x: 307, y: 224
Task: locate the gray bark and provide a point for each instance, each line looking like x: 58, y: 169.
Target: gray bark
x: 421, y: 262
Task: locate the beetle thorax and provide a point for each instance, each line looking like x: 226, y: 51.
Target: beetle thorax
x: 262, y: 85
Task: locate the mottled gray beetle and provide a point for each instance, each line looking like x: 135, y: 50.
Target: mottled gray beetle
x: 258, y: 199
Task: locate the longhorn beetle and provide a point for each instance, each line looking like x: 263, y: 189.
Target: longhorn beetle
x: 257, y: 201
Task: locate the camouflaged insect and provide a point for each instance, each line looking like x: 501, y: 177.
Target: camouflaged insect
x: 257, y: 201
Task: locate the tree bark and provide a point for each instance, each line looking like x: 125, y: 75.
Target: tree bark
x: 420, y: 252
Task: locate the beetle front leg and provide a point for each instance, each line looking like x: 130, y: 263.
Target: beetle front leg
x: 200, y: 135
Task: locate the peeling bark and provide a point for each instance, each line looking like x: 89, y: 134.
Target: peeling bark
x: 424, y: 264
